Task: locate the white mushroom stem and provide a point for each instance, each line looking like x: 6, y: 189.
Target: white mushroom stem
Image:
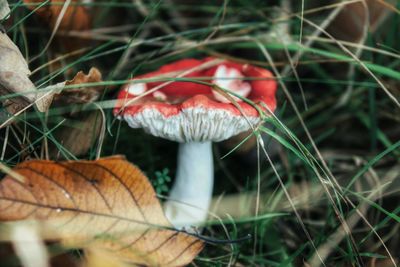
x: 191, y: 193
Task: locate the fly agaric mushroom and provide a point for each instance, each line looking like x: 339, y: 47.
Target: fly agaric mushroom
x: 195, y: 115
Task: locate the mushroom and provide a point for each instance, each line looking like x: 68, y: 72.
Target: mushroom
x: 195, y: 115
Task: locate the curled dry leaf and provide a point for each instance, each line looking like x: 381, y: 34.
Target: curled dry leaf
x: 14, y: 79
x: 76, y: 18
x: 81, y: 95
x: 105, y: 204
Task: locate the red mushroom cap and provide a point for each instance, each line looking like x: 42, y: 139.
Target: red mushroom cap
x: 189, y: 111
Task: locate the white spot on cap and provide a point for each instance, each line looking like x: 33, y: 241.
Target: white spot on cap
x: 160, y: 95
x: 230, y: 79
x: 136, y: 88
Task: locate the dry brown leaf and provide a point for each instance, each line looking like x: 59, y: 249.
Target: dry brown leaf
x: 81, y: 95
x: 349, y: 24
x: 4, y: 9
x: 76, y: 18
x: 78, y: 94
x: 14, y: 79
x: 108, y: 204
x: 79, y: 136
